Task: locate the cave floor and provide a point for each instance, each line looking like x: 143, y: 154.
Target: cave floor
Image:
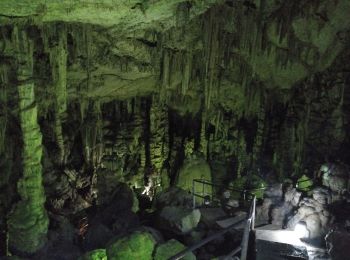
x: 276, y: 244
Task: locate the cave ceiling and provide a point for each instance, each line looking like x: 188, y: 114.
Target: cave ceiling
x: 126, y: 48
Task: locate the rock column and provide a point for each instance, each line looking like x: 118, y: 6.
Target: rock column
x: 28, y: 221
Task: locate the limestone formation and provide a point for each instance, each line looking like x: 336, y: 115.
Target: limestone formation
x: 138, y: 245
x: 28, y: 221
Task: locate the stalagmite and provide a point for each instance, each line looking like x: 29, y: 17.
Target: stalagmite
x: 28, y: 222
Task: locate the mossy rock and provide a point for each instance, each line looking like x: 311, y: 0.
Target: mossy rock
x: 258, y: 186
x: 171, y: 248
x: 97, y: 254
x: 138, y: 245
x: 305, y: 183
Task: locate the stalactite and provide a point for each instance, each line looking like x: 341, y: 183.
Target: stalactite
x: 241, y: 154
x: 92, y: 135
x: 165, y: 74
x: 58, y: 60
x: 203, y: 136
x: 28, y: 222
x: 186, y: 73
x: 3, y: 107
x: 158, y: 133
x: 212, y: 54
x: 258, y: 142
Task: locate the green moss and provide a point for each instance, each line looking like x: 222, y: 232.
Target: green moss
x: 171, y: 248
x: 304, y: 183
x: 258, y: 187
x: 98, y: 254
x: 138, y: 245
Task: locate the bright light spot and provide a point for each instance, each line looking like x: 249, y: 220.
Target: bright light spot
x: 301, y: 230
x: 324, y: 168
x: 147, y: 190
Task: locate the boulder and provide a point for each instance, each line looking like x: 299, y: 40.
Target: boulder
x: 179, y: 220
x: 263, y: 211
x: 58, y: 249
x: 174, y: 197
x: 125, y: 221
x: 137, y: 245
x: 209, y: 216
x: 277, y: 206
x: 292, y: 196
x: 315, y: 215
x: 274, y: 190
x: 322, y: 195
x: 171, y: 248
x: 280, y: 213
x: 97, y: 236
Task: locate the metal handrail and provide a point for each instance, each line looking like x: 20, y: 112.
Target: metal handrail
x: 244, y: 245
x: 249, y: 227
x: 182, y: 254
x: 244, y: 191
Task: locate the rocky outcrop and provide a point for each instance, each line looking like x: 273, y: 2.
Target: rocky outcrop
x: 315, y: 213
x: 278, y: 205
x: 175, y: 197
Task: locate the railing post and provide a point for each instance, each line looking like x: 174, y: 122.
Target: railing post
x: 253, y: 213
x: 203, y: 190
x: 245, y: 240
x: 193, y: 194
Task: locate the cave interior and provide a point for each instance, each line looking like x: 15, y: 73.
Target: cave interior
x: 134, y: 129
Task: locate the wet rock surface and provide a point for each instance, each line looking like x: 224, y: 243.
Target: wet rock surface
x: 315, y: 213
x: 278, y: 205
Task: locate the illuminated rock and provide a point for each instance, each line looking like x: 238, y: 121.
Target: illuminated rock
x: 98, y: 254
x: 137, y: 245
x: 179, y: 220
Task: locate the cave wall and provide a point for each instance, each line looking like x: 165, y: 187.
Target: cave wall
x: 251, y: 86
